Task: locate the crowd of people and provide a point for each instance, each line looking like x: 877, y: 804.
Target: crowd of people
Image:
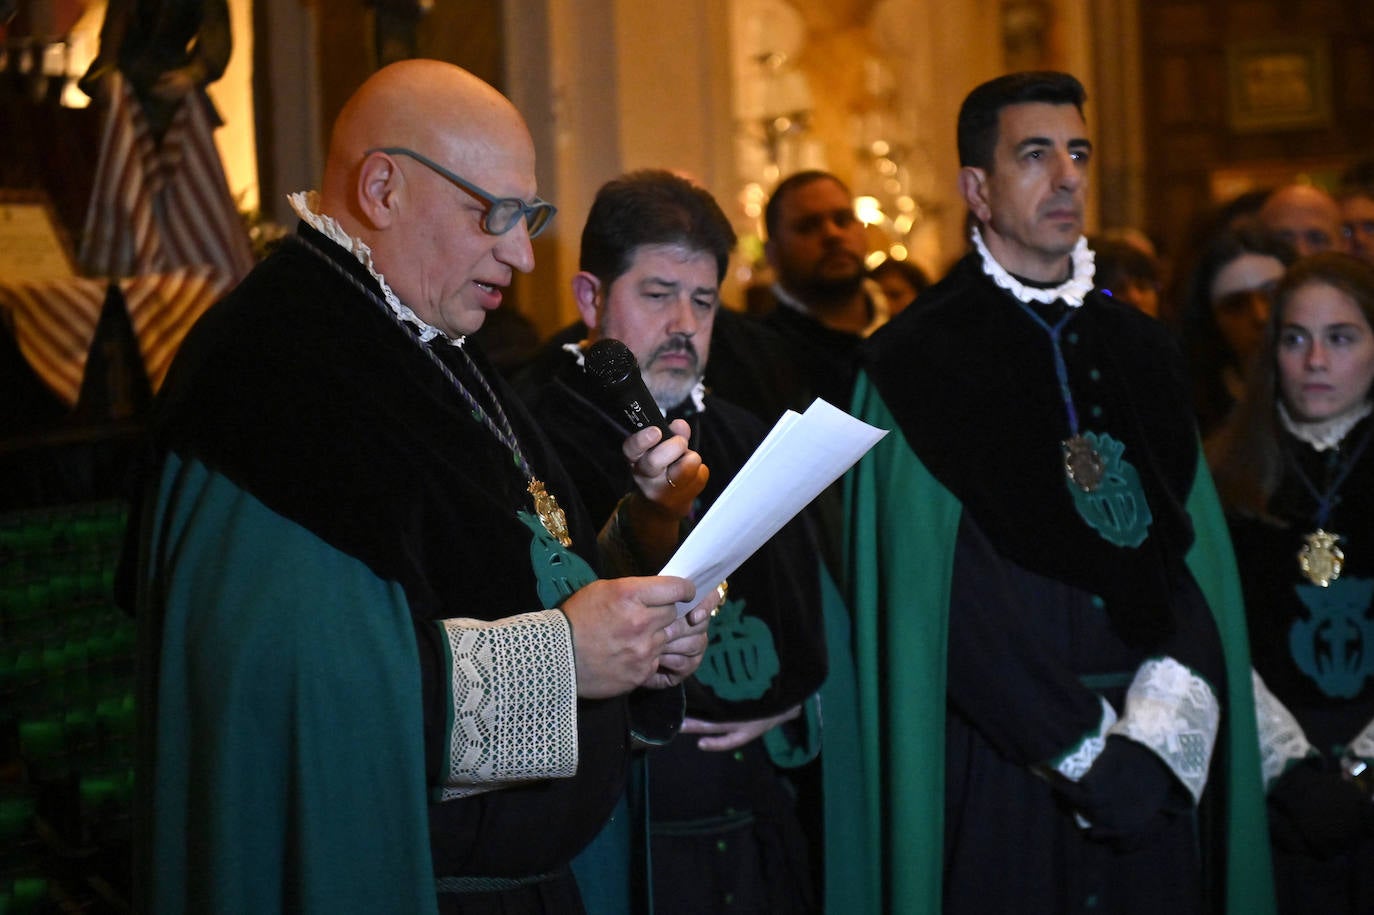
x: 405, y: 647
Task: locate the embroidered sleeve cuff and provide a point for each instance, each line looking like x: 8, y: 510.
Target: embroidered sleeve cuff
x: 1174, y: 713
x: 512, y: 703
x: 1080, y: 757
x: 1363, y: 744
x: 1282, y: 742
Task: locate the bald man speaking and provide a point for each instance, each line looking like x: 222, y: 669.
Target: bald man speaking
x: 380, y: 671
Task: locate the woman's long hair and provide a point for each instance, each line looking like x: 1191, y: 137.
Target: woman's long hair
x: 1246, y: 458
x: 1209, y: 356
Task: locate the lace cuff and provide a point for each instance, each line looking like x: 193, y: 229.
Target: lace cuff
x: 1173, y: 712
x: 513, y: 702
x: 1282, y: 742
x: 1080, y: 757
x: 1363, y: 744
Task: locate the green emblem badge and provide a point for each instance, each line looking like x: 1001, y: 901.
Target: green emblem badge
x: 1115, y: 505
x: 741, y: 660
x: 1334, y: 645
x: 558, y: 571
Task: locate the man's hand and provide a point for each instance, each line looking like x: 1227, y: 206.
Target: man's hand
x: 730, y: 735
x: 621, y: 628
x: 667, y: 472
x: 685, y: 646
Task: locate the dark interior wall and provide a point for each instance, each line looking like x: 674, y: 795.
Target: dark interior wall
x: 464, y: 32
x: 1196, y: 148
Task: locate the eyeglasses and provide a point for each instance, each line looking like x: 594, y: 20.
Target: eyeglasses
x: 502, y: 212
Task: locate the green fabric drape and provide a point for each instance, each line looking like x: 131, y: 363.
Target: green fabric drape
x: 288, y: 707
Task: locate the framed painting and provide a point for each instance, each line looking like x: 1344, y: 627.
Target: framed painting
x: 1278, y: 84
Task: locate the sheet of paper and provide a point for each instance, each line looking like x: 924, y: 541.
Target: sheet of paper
x: 802, y: 455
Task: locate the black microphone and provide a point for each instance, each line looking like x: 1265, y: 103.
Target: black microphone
x: 610, y: 364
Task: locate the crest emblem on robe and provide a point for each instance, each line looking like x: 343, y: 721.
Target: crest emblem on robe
x: 1116, y: 508
x: 558, y: 571
x: 741, y: 659
x: 1334, y: 645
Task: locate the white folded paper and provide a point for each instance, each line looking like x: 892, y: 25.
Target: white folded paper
x: 804, y: 454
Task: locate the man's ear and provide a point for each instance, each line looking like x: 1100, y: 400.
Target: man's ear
x: 379, y: 190
x: 973, y: 185
x: 587, y: 292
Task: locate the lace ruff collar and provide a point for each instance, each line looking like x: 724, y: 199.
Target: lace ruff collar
x: 1328, y: 433
x: 1072, y: 290
x: 304, y: 203
x: 698, y: 395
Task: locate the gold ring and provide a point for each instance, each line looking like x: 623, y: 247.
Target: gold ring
x: 669, y: 479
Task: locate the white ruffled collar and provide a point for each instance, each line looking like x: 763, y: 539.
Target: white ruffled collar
x: 698, y: 394
x: 1328, y: 433
x: 1072, y: 291
x: 305, y: 204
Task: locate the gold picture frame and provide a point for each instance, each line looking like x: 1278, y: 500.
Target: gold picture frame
x: 1279, y: 84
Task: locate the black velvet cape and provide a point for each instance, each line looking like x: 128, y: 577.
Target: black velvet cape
x: 306, y: 393
x: 970, y: 378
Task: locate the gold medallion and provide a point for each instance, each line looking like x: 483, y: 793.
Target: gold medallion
x: 1320, y: 559
x: 550, y: 515
x: 1082, y: 463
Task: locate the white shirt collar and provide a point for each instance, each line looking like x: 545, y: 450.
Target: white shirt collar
x: 1072, y: 291
x: 1328, y: 433
x: 305, y: 204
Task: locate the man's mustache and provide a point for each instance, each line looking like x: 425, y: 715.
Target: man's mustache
x: 674, y: 346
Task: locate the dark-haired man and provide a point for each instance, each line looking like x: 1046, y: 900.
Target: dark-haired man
x: 824, y: 306
x: 724, y: 834
x: 1029, y: 566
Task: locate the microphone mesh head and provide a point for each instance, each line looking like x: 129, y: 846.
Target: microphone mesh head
x: 609, y: 361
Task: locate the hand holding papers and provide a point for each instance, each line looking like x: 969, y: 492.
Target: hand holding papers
x: 803, y: 455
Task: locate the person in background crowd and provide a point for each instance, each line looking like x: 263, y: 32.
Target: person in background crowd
x: 1305, y: 216
x: 1223, y: 309
x: 1295, y: 470
x: 1128, y: 273
x: 901, y: 282
x: 1356, y: 198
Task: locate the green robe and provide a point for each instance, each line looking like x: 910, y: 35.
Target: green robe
x: 325, y: 507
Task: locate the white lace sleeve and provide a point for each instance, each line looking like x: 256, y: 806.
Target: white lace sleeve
x: 1281, y: 739
x: 1176, y: 714
x: 1080, y: 757
x: 513, y: 702
x: 1363, y: 744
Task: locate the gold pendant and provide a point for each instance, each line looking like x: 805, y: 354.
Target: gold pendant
x: 1320, y: 559
x: 550, y: 515
x: 1082, y: 463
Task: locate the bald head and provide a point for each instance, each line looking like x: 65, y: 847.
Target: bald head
x: 1306, y: 216
x: 436, y: 108
x: 416, y: 158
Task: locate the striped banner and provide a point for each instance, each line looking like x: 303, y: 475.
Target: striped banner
x: 159, y: 208
x: 54, y: 321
